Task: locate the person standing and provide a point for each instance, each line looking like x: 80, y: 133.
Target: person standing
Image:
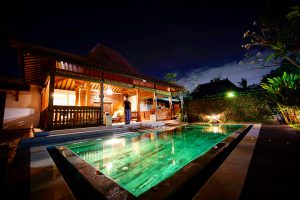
x: 127, y: 110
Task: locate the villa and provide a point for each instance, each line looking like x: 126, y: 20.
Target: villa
x: 72, y: 91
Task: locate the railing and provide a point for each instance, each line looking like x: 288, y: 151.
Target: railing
x: 61, y: 117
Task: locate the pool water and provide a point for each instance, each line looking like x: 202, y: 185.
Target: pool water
x: 139, y: 161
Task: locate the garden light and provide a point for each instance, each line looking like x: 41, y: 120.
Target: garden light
x: 230, y: 94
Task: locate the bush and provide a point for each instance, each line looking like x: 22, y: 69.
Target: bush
x: 246, y: 108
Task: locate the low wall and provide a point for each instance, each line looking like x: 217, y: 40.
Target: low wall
x: 163, y: 114
x: 23, y: 111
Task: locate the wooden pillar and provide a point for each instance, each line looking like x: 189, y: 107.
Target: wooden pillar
x: 51, y: 97
x: 2, y: 108
x: 171, y: 106
x: 101, y: 101
x: 170, y: 102
x: 153, y: 116
x: 154, y: 102
x: 88, y: 94
x: 77, y: 96
x: 138, y: 105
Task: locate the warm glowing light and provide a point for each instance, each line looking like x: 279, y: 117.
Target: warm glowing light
x: 116, y: 141
x: 109, y: 166
x: 109, y: 91
x: 214, y: 117
x: 64, y: 98
x: 173, y: 162
x: 230, y: 94
x: 173, y: 148
x: 60, y: 99
x: 216, y: 129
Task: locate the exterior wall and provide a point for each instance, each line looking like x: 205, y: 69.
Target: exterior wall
x: 133, y: 100
x: 24, y: 113
x: 64, y: 97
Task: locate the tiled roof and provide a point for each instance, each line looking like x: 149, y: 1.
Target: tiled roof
x: 105, y: 56
x: 101, y: 57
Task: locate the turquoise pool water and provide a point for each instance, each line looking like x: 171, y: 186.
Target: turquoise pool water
x: 139, y: 161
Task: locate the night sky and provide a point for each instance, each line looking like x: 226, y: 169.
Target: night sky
x: 155, y: 36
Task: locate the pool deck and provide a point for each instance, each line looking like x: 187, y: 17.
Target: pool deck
x: 264, y: 165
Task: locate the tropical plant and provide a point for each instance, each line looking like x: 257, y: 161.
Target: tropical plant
x: 170, y: 77
x: 280, y: 35
x: 285, y: 91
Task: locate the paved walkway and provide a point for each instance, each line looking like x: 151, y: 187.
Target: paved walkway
x: 262, y: 166
x: 228, y: 180
x: 274, y: 171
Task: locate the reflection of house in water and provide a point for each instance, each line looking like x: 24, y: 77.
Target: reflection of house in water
x: 76, y: 91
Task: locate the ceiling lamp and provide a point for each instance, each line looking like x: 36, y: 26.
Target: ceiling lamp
x: 109, y: 91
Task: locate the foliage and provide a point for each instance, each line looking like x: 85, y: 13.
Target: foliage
x: 170, y: 77
x: 280, y: 35
x: 288, y: 68
x: 285, y: 91
x: 244, y: 83
x: 246, y: 108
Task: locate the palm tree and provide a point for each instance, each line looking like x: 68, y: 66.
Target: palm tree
x: 244, y: 83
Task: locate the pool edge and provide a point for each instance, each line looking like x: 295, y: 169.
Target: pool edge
x: 97, y: 185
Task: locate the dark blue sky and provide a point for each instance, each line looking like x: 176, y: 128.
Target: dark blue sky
x: 155, y: 36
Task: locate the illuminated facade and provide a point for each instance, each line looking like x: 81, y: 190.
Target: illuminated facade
x: 77, y: 91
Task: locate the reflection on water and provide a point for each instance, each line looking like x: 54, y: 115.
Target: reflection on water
x: 138, y: 162
x: 215, y: 128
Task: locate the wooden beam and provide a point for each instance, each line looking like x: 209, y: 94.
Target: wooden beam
x: 88, y: 94
x: 101, y: 101
x: 20, y: 57
x: 171, y: 106
x: 2, y: 107
x: 170, y: 102
x: 138, y: 105
x: 17, y: 95
x: 77, y: 96
x: 154, y: 102
x: 51, y: 97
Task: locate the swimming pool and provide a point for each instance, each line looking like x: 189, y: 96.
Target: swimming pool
x: 139, y: 161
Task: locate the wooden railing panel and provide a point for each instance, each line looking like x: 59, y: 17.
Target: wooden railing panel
x: 70, y: 117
